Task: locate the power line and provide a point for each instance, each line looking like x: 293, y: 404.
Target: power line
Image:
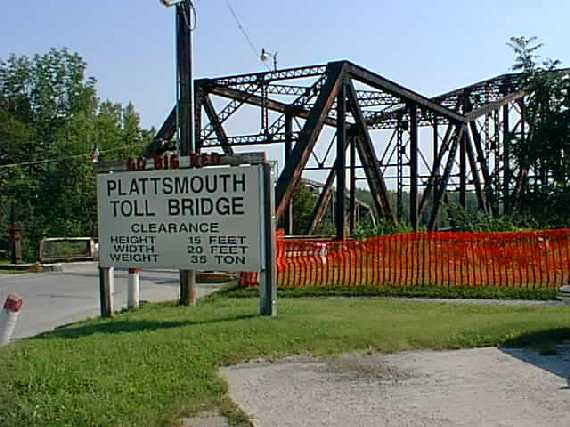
x: 76, y: 156
x: 244, y: 32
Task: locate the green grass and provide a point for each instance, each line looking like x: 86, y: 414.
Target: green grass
x: 397, y: 291
x: 152, y: 366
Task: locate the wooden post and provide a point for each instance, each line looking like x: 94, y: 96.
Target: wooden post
x: 186, y: 126
x: 188, y: 294
x: 106, y: 289
x: 14, y: 238
x: 15, y: 244
x: 268, y: 283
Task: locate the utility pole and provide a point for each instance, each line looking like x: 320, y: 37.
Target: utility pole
x: 184, y: 78
x: 185, y: 117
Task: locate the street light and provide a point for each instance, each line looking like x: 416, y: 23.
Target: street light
x: 170, y: 3
x: 266, y: 55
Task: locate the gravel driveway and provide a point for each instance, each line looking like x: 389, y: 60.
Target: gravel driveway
x: 475, y: 387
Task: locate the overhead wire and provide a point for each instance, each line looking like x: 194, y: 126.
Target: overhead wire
x: 59, y: 159
x: 244, y: 32
x: 191, y: 23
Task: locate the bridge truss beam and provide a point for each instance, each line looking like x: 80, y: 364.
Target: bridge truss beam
x: 457, y: 142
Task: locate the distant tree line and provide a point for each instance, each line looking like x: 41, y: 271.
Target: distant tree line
x: 51, y: 124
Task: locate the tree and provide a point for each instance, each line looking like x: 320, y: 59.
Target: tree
x: 50, y: 121
x: 546, y: 147
x: 303, y: 205
x: 525, y: 53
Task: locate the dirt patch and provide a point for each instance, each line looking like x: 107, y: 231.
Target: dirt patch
x: 488, y: 386
x: 357, y: 367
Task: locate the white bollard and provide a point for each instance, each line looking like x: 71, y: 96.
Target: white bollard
x: 133, y: 290
x: 8, y: 317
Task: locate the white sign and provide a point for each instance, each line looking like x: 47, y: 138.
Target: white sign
x: 190, y: 219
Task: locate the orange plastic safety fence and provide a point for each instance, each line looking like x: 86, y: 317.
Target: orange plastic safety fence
x: 530, y: 259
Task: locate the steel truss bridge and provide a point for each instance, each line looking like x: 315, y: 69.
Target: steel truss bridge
x: 460, y: 141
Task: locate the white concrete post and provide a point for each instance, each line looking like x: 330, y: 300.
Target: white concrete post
x: 8, y: 317
x: 133, y: 289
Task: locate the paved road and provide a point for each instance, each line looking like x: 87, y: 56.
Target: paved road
x: 54, y: 299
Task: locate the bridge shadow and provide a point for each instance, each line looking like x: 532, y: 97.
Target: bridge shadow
x: 548, y: 350
x: 130, y: 326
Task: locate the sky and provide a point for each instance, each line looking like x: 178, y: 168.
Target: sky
x: 429, y: 46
